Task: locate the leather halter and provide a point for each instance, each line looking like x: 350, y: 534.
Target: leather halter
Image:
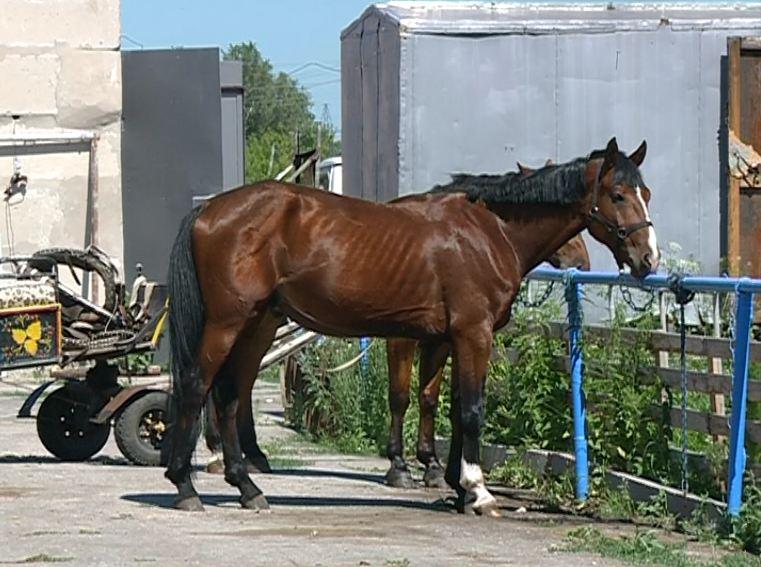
x: 620, y: 232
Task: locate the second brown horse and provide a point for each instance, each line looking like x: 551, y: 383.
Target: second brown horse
x: 401, y: 356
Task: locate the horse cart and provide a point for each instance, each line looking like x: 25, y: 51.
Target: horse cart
x: 45, y: 322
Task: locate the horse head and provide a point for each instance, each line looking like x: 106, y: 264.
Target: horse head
x: 617, y: 208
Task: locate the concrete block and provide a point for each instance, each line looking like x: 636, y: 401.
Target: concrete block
x: 90, y: 24
x: 89, y: 88
x: 110, y: 229
x: 29, y: 83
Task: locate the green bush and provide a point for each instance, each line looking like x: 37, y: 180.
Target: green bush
x: 348, y: 408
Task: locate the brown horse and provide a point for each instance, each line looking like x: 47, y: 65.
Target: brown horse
x: 401, y: 355
x: 572, y: 254
x: 446, y: 274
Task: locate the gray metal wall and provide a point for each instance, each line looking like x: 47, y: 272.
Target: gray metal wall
x: 233, y: 137
x: 171, y: 147
x: 370, y: 107
x: 479, y: 102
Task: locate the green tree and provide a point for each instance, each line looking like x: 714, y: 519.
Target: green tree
x: 275, y: 108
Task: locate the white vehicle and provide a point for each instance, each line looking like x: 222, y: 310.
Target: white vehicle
x: 329, y: 175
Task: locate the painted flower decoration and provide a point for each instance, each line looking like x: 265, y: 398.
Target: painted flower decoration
x: 28, y: 337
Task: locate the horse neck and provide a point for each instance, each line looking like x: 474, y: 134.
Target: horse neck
x: 537, y: 231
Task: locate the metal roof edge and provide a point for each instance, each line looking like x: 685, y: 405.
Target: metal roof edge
x: 551, y: 17
x: 381, y: 9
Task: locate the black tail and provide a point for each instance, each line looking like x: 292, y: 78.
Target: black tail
x: 186, y: 315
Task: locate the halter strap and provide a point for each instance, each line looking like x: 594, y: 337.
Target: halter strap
x: 621, y: 232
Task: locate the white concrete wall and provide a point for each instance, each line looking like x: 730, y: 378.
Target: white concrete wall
x: 61, y: 68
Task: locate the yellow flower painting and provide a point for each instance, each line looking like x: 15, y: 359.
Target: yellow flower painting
x: 29, y: 338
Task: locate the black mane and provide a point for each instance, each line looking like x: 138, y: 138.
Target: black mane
x: 553, y: 184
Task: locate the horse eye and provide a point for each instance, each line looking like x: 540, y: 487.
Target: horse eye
x: 617, y: 197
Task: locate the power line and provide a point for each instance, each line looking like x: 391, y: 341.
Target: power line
x: 313, y: 64
x: 323, y: 83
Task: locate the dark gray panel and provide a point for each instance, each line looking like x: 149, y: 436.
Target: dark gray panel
x: 351, y: 112
x: 171, y: 147
x: 233, y: 136
x: 388, y: 111
x: 369, y: 59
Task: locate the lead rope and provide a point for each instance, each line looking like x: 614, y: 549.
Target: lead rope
x: 683, y: 296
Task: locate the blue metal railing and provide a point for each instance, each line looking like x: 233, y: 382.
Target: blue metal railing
x: 744, y: 288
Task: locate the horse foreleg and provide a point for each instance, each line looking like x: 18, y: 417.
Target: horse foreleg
x: 401, y: 356
x: 472, y: 349
x: 432, y: 361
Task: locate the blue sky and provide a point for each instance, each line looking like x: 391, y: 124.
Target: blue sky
x: 290, y: 33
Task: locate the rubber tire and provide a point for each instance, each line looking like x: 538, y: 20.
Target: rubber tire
x: 42, y: 259
x: 126, y: 429
x: 61, y: 429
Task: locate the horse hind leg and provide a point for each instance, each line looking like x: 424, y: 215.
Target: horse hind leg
x: 215, y: 346
x: 255, y: 348
x: 212, y: 437
x: 226, y: 401
x: 240, y: 374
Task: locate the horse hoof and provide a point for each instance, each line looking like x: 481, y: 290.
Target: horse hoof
x: 215, y: 467
x: 258, y: 466
x: 258, y: 503
x: 434, y: 477
x: 399, y: 478
x: 189, y: 504
x: 488, y: 510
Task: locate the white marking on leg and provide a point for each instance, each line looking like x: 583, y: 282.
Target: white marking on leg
x: 651, y: 240
x: 472, y: 480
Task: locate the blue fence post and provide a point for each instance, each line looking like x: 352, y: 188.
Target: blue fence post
x: 743, y: 318
x: 364, y: 342
x: 573, y: 294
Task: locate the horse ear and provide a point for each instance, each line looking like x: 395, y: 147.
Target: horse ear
x: 638, y: 156
x: 524, y: 171
x: 549, y: 162
x: 610, y: 159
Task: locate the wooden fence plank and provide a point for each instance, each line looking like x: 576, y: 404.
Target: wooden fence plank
x: 704, y: 382
x: 709, y: 423
x: 697, y: 345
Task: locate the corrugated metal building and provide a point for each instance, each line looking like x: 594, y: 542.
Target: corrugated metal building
x: 429, y: 89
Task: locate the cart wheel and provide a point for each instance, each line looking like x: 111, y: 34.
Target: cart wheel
x: 140, y: 428
x: 64, y: 427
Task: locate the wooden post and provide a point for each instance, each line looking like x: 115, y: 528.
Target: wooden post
x: 715, y: 366
x: 90, y: 285
x: 663, y: 356
x: 733, y: 197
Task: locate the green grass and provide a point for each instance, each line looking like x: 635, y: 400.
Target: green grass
x: 644, y: 548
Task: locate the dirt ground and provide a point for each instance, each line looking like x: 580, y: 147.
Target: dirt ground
x: 327, y: 510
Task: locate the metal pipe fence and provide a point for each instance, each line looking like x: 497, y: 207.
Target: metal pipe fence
x: 744, y: 290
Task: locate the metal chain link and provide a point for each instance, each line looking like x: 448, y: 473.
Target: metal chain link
x: 629, y: 300
x: 521, y: 299
x: 732, y: 323
x: 683, y: 296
